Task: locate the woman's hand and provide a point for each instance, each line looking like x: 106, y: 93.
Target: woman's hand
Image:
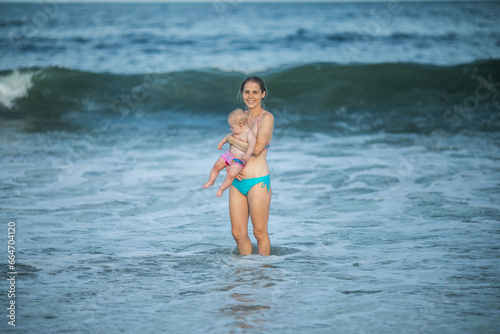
x: 240, y: 144
x: 240, y: 175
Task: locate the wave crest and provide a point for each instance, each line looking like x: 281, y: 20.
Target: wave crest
x: 13, y: 86
x: 398, y: 97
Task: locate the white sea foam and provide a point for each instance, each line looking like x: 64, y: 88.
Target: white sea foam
x: 14, y: 86
x: 349, y: 231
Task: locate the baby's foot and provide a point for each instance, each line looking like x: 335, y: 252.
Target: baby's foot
x: 219, y: 193
x: 208, y: 185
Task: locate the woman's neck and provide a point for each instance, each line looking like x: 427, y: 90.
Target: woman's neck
x: 255, y: 111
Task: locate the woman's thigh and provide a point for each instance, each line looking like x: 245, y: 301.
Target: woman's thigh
x: 238, y: 211
x: 259, y: 202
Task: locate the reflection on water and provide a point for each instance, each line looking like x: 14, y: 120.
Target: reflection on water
x: 252, y: 286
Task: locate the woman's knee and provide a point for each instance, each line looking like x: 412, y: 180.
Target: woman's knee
x: 260, y: 234
x: 239, y: 234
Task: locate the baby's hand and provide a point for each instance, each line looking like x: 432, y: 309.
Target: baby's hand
x: 219, y: 146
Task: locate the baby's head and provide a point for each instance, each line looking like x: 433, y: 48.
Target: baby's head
x: 238, y: 121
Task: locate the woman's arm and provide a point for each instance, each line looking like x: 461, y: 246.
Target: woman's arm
x: 263, y: 136
x: 265, y: 133
x: 240, y: 144
x: 251, y: 145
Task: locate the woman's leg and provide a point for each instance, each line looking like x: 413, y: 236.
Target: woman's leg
x: 218, y: 166
x: 259, y: 202
x: 238, y: 212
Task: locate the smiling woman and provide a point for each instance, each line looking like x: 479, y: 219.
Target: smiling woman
x: 385, y: 211
x: 245, y: 198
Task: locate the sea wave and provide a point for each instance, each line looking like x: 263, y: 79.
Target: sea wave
x: 367, y: 97
x: 13, y: 86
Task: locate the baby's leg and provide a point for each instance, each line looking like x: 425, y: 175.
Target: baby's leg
x: 232, y: 172
x: 218, y: 166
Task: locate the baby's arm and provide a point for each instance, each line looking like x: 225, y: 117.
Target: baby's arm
x: 251, y: 145
x: 223, y: 141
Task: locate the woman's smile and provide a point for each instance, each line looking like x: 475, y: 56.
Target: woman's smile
x: 252, y: 94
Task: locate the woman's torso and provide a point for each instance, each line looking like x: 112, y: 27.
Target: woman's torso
x: 257, y: 165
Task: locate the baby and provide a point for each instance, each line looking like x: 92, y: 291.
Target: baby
x: 235, y: 158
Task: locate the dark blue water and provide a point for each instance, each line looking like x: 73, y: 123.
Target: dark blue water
x: 384, y: 166
x: 230, y: 35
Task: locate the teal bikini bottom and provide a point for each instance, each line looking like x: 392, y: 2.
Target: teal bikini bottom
x: 245, y: 185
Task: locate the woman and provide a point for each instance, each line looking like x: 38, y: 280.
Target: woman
x: 250, y: 193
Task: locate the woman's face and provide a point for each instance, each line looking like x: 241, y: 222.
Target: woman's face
x: 252, y: 95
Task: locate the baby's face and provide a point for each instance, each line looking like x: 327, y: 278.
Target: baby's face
x: 236, y: 128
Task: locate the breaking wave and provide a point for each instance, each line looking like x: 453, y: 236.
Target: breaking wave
x: 397, y: 97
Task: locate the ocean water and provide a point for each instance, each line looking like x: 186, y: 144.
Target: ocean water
x: 385, y: 216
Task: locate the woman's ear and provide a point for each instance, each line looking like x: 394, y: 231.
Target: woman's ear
x: 264, y: 95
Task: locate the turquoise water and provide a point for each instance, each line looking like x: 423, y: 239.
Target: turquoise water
x: 125, y: 239
x: 384, y: 168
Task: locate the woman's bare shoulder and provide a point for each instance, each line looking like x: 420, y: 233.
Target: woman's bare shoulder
x: 267, y: 115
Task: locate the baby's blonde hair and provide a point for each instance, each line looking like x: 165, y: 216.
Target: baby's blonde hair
x: 238, y: 116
